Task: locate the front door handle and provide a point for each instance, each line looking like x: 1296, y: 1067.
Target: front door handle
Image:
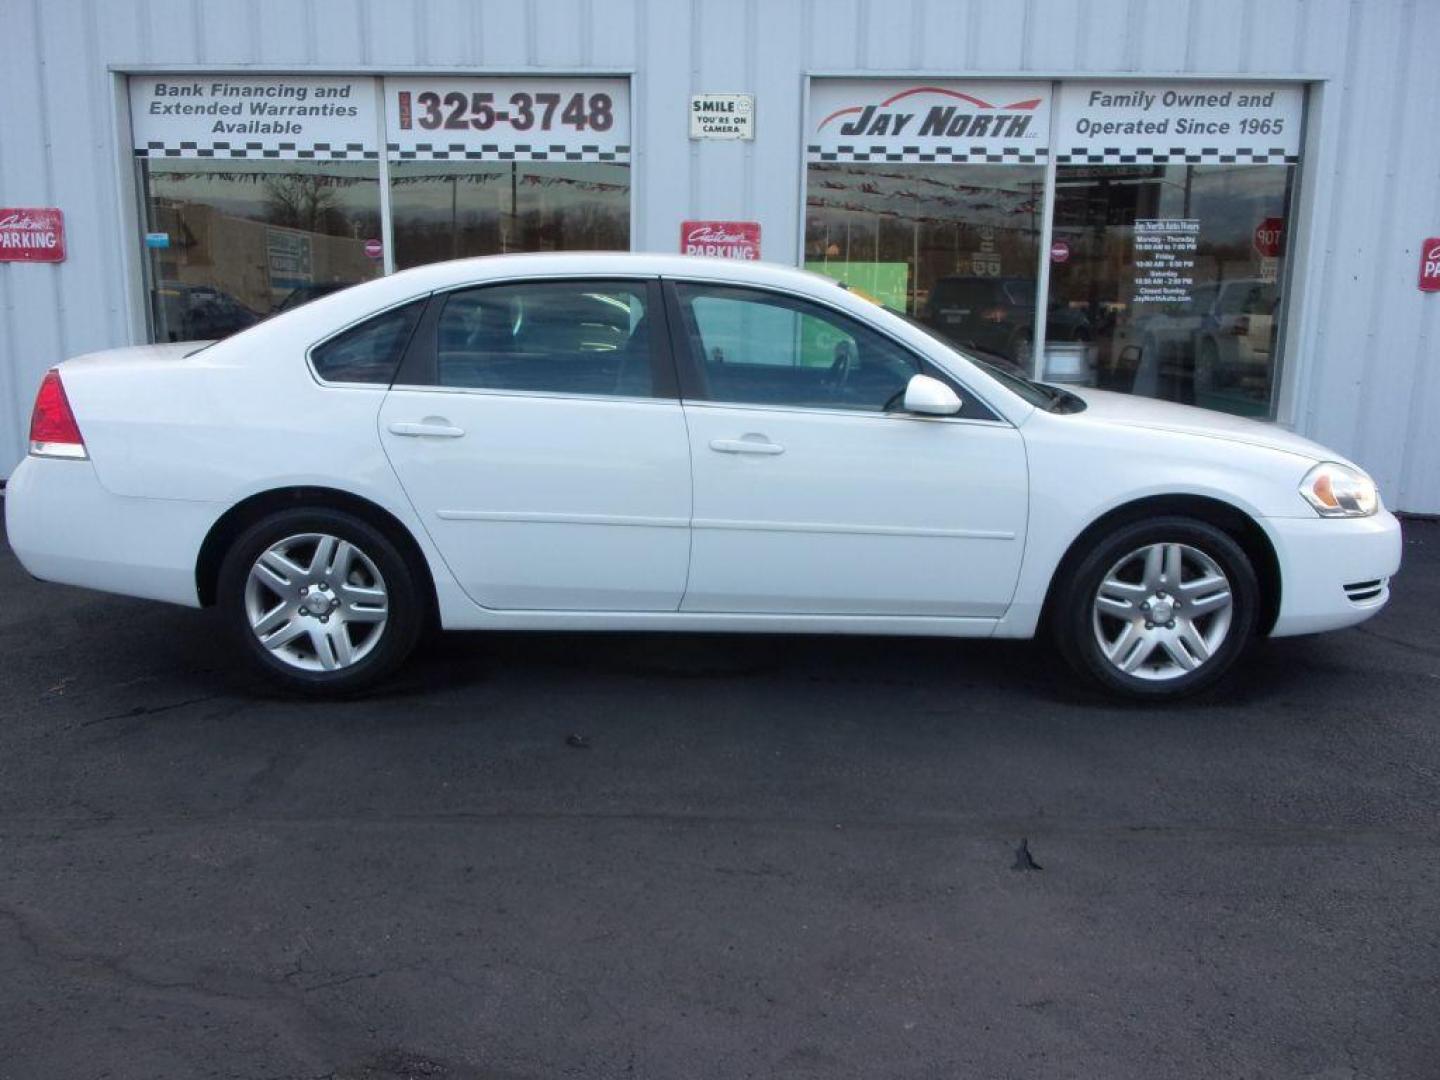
x: 749, y: 445
x: 435, y: 429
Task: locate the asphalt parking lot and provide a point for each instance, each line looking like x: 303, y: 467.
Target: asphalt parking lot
x: 648, y: 856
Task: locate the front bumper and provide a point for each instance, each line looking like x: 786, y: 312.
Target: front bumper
x: 1334, y: 572
x: 64, y: 526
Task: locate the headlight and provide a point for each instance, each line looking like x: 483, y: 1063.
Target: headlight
x: 1336, y: 490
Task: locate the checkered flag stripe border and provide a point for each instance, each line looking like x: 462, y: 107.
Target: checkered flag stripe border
x: 1175, y: 155
x: 228, y: 150
x: 944, y: 155
x: 518, y: 152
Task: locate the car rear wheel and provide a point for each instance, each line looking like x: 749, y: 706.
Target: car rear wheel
x: 1158, y: 609
x: 320, y: 600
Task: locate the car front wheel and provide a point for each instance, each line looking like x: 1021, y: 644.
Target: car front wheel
x: 320, y: 600
x: 1158, y: 608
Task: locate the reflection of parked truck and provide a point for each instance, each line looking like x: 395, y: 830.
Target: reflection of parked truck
x: 1223, y: 336
x: 997, y: 315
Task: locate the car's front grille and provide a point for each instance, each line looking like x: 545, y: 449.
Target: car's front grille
x: 1362, y: 592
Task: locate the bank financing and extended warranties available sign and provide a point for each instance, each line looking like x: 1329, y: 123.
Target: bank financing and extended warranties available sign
x: 944, y: 121
x: 301, y: 117
x: 32, y: 234
x: 1191, y: 123
x: 504, y: 119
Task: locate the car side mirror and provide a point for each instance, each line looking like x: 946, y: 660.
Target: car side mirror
x: 930, y: 397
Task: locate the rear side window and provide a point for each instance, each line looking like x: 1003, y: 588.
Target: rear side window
x: 370, y: 352
x: 571, y: 337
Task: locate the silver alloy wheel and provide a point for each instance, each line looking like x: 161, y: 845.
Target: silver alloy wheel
x: 1162, y: 611
x: 317, y: 602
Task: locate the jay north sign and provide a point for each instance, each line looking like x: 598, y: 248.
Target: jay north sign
x: 941, y: 121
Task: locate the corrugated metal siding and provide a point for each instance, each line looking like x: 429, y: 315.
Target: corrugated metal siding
x: 1364, y: 378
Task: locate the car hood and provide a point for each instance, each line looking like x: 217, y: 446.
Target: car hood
x: 1132, y: 410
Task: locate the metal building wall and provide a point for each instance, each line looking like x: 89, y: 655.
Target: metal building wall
x: 1365, y: 376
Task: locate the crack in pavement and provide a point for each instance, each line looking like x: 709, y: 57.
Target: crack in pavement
x: 148, y: 710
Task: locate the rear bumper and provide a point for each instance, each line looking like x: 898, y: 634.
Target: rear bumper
x: 1334, y: 572
x: 65, y: 527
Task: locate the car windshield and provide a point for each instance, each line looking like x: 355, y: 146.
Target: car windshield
x: 1041, y: 395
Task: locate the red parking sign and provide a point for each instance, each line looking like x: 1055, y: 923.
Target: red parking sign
x: 1430, y: 265
x: 32, y: 234
x: 721, y: 239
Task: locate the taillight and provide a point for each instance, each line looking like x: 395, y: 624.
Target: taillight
x: 53, y: 430
x: 1241, y: 325
x: 994, y: 314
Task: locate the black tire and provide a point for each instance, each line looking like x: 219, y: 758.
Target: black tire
x: 405, y: 605
x: 1073, y: 619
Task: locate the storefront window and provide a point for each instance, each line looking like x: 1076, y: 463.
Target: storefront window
x: 483, y: 166
x: 929, y: 197
x: 1164, y: 264
x: 450, y: 210
x: 229, y: 243
x: 954, y: 246
x: 1172, y: 207
x: 260, y: 193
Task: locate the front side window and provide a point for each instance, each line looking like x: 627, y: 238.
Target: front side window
x: 572, y: 337
x: 370, y: 352
x: 760, y: 348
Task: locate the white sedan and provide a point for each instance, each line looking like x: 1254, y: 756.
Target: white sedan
x: 639, y: 442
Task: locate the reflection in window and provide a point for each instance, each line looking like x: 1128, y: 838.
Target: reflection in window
x: 952, y: 245
x: 1178, y: 270
x: 760, y: 349
x: 451, y: 210
x: 370, y: 352
x: 229, y: 242
x: 562, y: 338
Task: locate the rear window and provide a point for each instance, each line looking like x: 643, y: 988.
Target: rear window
x: 370, y: 352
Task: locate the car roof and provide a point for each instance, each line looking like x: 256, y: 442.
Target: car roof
x: 453, y: 272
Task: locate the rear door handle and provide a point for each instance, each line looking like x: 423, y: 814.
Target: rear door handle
x: 435, y: 429
x: 746, y: 446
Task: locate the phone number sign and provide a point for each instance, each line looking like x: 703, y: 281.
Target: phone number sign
x: 532, y: 119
